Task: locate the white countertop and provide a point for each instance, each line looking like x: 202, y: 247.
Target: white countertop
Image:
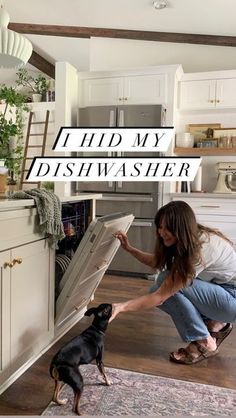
x: 206, y: 195
x: 10, y: 204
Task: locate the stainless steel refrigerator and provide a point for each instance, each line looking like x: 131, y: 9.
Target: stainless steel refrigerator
x: 140, y: 198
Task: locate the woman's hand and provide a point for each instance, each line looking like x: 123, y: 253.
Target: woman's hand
x: 116, y: 309
x: 122, y: 237
x: 143, y: 257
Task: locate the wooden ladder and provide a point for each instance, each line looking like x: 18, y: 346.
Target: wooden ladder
x: 42, y: 146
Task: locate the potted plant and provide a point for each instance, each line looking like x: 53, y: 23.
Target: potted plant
x: 11, y: 130
x: 38, y: 85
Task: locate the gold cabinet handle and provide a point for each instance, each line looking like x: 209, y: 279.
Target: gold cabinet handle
x: 120, y: 98
x: 8, y: 264
x: 17, y: 260
x: 211, y: 101
x: 11, y: 264
x: 125, y: 98
x: 217, y: 101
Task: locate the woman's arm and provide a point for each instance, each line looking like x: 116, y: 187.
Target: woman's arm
x: 165, y: 291
x: 143, y: 257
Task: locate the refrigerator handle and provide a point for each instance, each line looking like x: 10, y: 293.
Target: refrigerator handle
x: 163, y: 117
x: 110, y: 155
x: 119, y: 154
x: 121, y: 118
x: 112, y: 118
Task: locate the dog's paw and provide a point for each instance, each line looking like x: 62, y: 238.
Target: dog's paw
x: 63, y: 401
x: 108, y: 382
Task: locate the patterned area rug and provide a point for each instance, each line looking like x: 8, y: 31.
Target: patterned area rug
x: 134, y: 393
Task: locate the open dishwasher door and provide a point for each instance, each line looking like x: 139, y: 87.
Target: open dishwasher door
x: 89, y: 264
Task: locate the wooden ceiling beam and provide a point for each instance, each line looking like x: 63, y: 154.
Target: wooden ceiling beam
x: 42, y: 64
x: 87, y: 32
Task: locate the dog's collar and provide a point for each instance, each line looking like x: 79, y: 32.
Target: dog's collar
x: 98, y: 330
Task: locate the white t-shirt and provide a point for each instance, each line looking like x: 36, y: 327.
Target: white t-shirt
x: 218, y: 261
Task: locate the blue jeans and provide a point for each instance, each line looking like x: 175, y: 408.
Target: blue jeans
x: 193, y: 305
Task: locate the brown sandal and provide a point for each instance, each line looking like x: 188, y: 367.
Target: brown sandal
x: 222, y: 334
x: 190, y: 358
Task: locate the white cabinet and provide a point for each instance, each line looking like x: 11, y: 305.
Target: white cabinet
x: 215, y: 212
x: 225, y: 93
x: 139, y: 89
x: 27, y: 287
x: 102, y: 91
x: 26, y: 301
x: 207, y: 94
x: 5, y: 317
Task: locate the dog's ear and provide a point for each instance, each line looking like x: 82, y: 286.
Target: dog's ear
x: 91, y: 311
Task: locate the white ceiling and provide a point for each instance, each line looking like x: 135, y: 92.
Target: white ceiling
x: 215, y: 17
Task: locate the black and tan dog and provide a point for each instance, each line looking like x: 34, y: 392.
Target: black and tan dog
x: 85, y: 348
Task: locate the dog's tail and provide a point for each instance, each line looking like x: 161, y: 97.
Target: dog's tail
x: 68, y: 374
x: 54, y: 372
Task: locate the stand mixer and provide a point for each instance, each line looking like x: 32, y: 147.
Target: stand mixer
x: 225, y: 177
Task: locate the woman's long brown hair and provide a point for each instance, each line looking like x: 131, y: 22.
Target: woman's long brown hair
x: 181, y: 258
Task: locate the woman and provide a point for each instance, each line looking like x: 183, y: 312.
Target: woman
x: 197, y: 283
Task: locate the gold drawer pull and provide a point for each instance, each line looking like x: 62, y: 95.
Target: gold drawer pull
x: 11, y: 264
x: 7, y: 264
x: 17, y: 260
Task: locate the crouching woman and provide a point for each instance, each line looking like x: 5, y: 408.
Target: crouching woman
x: 196, y: 285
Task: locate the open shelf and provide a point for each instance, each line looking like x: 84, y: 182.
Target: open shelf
x: 205, y: 151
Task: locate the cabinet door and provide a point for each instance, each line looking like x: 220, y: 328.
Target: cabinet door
x: 31, y: 317
x: 5, y: 316
x: 88, y: 265
x: 217, y: 213
x: 199, y: 94
x: 145, y: 89
x: 225, y: 93
x: 142, y: 89
x: 225, y: 224
x: 102, y: 91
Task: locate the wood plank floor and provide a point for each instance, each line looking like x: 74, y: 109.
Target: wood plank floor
x: 138, y: 341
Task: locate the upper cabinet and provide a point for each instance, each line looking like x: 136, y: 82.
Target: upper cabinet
x: 225, y: 93
x: 140, y: 89
x: 207, y: 94
x: 197, y: 94
x: 102, y: 91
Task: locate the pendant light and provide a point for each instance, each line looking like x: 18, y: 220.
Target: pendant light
x: 160, y: 4
x: 15, y: 49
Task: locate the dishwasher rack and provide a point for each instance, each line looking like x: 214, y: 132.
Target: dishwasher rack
x: 75, y: 219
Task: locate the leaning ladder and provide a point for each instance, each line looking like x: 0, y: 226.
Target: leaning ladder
x: 28, y: 146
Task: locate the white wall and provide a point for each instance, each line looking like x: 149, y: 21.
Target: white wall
x: 66, y: 108
x: 114, y: 54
